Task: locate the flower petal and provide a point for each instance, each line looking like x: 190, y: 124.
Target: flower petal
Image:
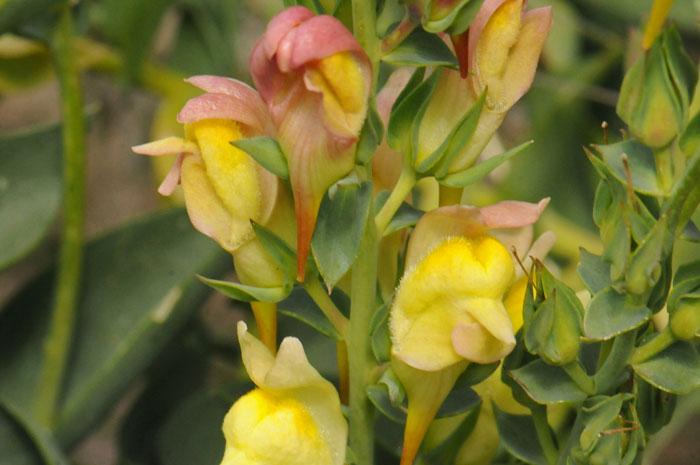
x: 172, y: 179
x: 223, y: 106
x: 512, y: 213
x: 167, y: 146
x: 290, y: 375
x: 206, y: 211
x: 525, y: 54
x: 281, y: 24
x: 477, y: 25
x: 473, y: 342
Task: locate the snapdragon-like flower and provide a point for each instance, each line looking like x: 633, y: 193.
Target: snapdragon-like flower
x: 293, y: 417
x: 498, y: 55
x: 315, y: 79
x: 449, y: 308
x: 224, y: 187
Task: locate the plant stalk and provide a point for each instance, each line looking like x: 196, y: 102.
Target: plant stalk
x: 653, y: 347
x: 60, y: 334
x: 360, y: 358
x: 544, y: 434
x: 403, y: 187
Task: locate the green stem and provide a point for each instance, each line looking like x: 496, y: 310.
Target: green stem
x: 653, y: 347
x: 403, y: 187
x: 364, y: 23
x: 544, y: 434
x: 360, y: 359
x: 612, y: 368
x: 327, y: 306
x: 580, y: 377
x: 58, y: 340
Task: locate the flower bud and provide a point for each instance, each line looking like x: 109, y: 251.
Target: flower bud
x: 554, y: 325
x: 315, y: 79
x: 504, y: 47
x: 498, y: 55
x: 292, y: 417
x: 656, y: 91
x: 685, y: 320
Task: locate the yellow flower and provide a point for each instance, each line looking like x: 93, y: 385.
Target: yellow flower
x: 293, y: 417
x: 449, y: 309
x: 224, y: 187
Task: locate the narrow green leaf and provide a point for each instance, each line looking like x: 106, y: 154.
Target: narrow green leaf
x: 547, y: 384
x: 400, y: 130
x: 339, y: 229
x: 689, y: 141
x: 476, y: 373
x: 266, y: 151
x: 370, y: 136
x: 16, y: 446
x: 422, y: 49
x: 459, y: 400
x: 138, y: 291
x: 300, y: 306
x: 519, y: 437
x: 675, y: 369
x: 463, y: 19
x: 608, y: 314
x: 641, y: 163
x: 45, y: 444
x: 245, y: 293
x: 598, y: 412
x: 378, y: 394
x: 280, y: 251
x: 30, y: 189
x: 397, y: 394
x: 460, y: 135
x: 481, y: 170
x: 381, y: 340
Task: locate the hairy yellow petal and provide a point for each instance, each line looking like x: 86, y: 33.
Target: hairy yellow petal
x: 459, y: 283
x: 231, y: 171
x: 491, y: 54
x: 262, y: 428
x: 341, y: 80
x: 206, y: 210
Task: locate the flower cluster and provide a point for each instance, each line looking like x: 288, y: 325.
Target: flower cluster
x: 266, y: 157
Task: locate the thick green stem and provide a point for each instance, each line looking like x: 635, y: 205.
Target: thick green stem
x: 544, y: 434
x: 360, y: 359
x: 403, y: 187
x: 364, y: 21
x: 653, y: 347
x: 59, y: 338
x: 327, y: 306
